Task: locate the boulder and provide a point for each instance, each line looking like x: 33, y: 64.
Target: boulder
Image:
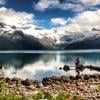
x: 66, y: 68
x: 46, y: 81
x: 27, y: 82
x: 86, y: 77
x: 65, y: 78
x: 8, y: 80
x: 55, y: 78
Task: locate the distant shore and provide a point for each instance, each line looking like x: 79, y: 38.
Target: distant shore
x: 86, y: 86
x: 52, y: 51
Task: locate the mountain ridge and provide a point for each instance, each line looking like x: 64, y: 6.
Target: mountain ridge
x: 15, y: 38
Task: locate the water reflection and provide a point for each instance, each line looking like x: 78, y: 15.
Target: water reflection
x: 39, y: 65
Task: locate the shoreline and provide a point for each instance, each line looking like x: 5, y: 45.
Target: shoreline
x: 52, y: 51
x: 86, y: 86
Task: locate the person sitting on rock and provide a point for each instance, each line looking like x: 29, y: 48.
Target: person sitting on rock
x: 77, y: 64
x: 0, y: 66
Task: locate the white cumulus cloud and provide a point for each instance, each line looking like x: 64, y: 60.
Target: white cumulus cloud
x: 90, y: 2
x: 58, y: 21
x: 49, y: 4
x: 83, y: 22
x: 73, y: 5
x: 44, y: 4
x: 11, y: 17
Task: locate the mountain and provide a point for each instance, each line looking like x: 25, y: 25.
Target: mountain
x: 87, y: 43
x: 16, y: 38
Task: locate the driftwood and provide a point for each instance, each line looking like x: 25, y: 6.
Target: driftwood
x: 80, y: 67
x: 97, y: 68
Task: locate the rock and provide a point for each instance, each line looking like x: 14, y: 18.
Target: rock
x: 1, y: 78
x: 8, y: 80
x: 37, y: 85
x: 65, y: 78
x: 80, y: 67
x: 60, y: 68
x: 78, y: 77
x: 66, y: 68
x: 91, y: 80
x: 94, y: 76
x: 27, y: 82
x: 86, y: 77
x: 55, y: 78
x: 16, y: 80
x: 57, y: 82
x: 72, y: 77
x: 96, y: 80
x: 46, y: 81
x: 30, y: 87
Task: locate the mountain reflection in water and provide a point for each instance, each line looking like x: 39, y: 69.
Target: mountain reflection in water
x: 39, y: 65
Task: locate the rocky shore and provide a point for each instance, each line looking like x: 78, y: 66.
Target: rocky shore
x: 86, y: 86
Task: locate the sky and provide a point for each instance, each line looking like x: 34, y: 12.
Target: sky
x: 66, y: 15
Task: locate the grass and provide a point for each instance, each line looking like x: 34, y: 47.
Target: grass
x: 41, y: 96
x: 98, y: 87
x: 60, y: 96
x: 63, y: 96
x: 10, y: 97
x: 3, y: 87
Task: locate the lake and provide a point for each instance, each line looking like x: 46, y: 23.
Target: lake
x: 39, y: 64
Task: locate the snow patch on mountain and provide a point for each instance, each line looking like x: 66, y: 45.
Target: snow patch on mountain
x: 51, y: 39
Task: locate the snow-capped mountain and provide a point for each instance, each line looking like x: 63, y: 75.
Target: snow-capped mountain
x: 13, y: 39
x: 91, y: 42
x: 18, y: 38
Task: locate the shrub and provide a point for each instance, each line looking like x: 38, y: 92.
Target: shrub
x: 48, y: 96
x: 98, y: 87
x: 3, y: 86
x: 77, y: 98
x: 38, y: 96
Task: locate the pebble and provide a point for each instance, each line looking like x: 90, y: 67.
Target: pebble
x: 83, y: 85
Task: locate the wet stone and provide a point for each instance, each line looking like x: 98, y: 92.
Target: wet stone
x: 72, y: 78
x: 46, y: 81
x: 65, y: 78
x: 86, y: 77
x: 55, y: 78
x: 8, y: 80
x: 26, y: 82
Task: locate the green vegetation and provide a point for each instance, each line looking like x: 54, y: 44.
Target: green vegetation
x: 3, y: 87
x: 41, y: 96
x: 60, y: 96
x: 77, y: 98
x: 10, y: 97
x: 63, y: 96
x: 48, y: 96
x: 37, y: 96
x: 98, y: 87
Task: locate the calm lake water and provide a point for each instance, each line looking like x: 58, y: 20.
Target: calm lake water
x: 39, y: 64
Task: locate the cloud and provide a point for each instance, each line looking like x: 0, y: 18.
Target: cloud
x: 2, y: 2
x: 58, y: 21
x: 90, y: 2
x: 83, y: 22
x: 22, y: 20
x: 73, y: 5
x: 44, y: 4
x: 12, y: 17
x: 50, y: 4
